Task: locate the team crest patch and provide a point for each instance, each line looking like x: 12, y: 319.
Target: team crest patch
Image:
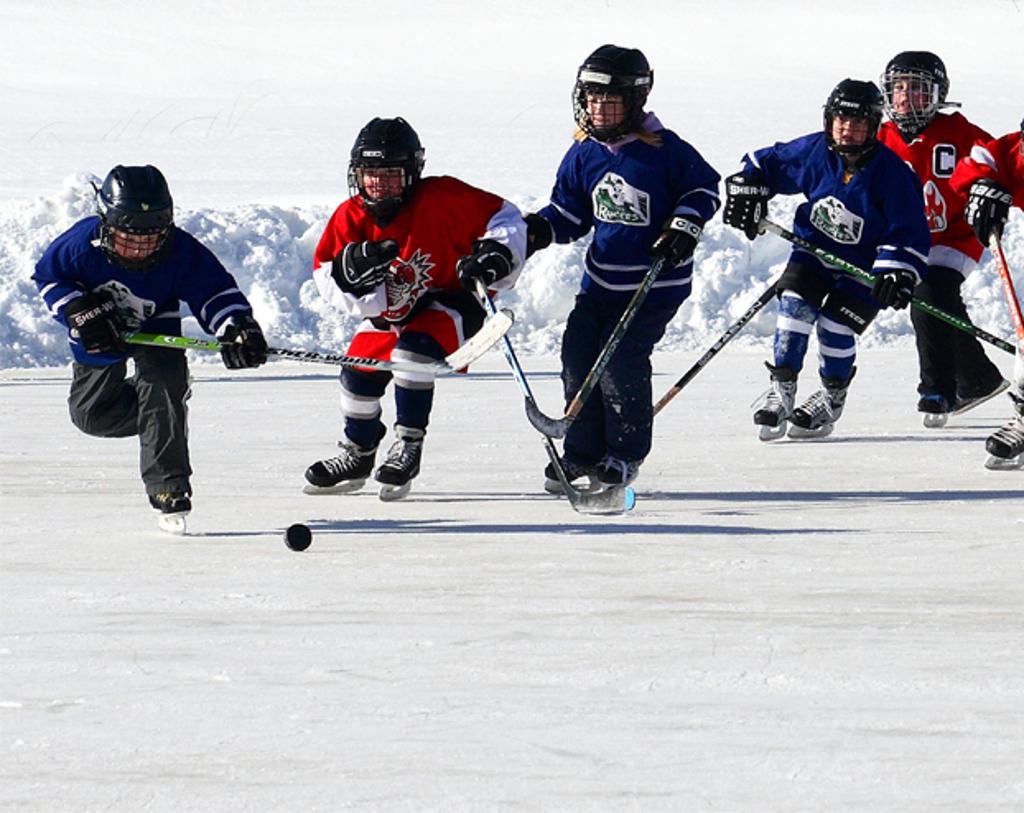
x: 934, y: 207
x: 132, y: 310
x: 405, y: 284
x: 615, y: 201
x: 834, y: 220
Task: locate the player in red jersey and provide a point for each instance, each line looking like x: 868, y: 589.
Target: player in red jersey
x: 955, y: 373
x: 992, y: 177
x: 404, y: 253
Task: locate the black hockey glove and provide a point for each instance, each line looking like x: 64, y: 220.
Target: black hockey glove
x: 242, y: 343
x: 988, y: 207
x: 539, y: 233
x: 746, y: 202
x: 894, y: 289
x: 361, y: 267
x: 489, y: 262
x: 94, y: 321
x: 677, y: 242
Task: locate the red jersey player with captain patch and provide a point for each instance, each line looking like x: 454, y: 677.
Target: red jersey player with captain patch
x: 404, y: 253
x: 955, y: 373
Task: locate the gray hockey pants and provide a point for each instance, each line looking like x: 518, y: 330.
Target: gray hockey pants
x: 151, y: 404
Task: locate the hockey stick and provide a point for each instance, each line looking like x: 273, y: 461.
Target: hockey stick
x: 1011, y: 295
x: 557, y: 427
x: 766, y: 296
x: 612, y: 500
x: 481, y: 341
x: 864, y: 276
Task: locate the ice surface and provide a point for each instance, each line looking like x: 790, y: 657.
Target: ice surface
x: 796, y: 626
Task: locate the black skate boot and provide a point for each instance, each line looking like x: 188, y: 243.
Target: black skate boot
x: 777, y: 406
x: 1006, y: 445
x: 968, y: 399
x: 402, y: 464
x: 573, y: 471
x: 342, y: 474
x: 172, y: 507
x: 614, y: 471
x: 816, y: 417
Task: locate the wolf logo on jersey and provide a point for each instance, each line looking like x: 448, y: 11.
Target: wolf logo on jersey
x: 405, y: 284
x: 615, y: 201
x: 132, y: 310
x: 832, y: 218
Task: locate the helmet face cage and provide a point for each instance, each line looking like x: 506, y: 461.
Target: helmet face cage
x: 858, y: 100
x: 921, y: 75
x: 922, y: 98
x: 136, y: 214
x: 386, y: 144
x: 613, y: 70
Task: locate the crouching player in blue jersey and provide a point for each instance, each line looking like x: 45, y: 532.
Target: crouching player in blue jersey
x: 127, y: 269
x: 645, y: 193
x: 863, y: 205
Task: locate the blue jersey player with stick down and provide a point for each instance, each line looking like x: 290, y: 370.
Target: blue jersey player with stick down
x: 128, y: 268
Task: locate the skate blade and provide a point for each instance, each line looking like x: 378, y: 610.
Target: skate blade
x: 346, y: 487
x: 768, y: 433
x: 390, y: 493
x: 1004, y: 463
x: 172, y: 524
x: 802, y: 433
x: 935, y: 420
x: 966, y: 406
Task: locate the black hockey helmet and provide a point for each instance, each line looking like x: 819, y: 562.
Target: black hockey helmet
x: 389, y: 143
x: 926, y: 78
x: 853, y: 98
x: 612, y: 69
x: 135, y: 201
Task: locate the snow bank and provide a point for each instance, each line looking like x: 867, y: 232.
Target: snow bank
x: 269, y: 250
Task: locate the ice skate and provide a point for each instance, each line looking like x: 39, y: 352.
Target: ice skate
x: 573, y: 472
x: 1006, y: 445
x: 402, y: 464
x: 816, y: 417
x: 969, y: 400
x: 771, y: 417
x: 172, y: 507
x: 934, y: 410
x: 343, y: 474
x: 614, y: 471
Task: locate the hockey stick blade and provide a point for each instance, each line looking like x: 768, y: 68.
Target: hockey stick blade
x: 492, y: 331
x: 609, y: 500
x: 551, y: 427
x: 612, y: 500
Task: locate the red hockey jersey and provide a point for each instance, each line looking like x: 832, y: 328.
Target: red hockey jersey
x: 933, y: 155
x: 1001, y: 160
x: 433, y: 229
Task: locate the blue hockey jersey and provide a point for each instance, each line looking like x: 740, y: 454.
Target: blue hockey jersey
x: 148, y: 300
x: 873, y: 219
x: 626, y: 193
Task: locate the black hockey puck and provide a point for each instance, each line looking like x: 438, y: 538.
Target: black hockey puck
x: 298, y: 536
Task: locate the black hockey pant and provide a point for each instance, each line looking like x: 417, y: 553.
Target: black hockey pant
x: 151, y: 404
x: 618, y: 417
x: 952, y: 362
